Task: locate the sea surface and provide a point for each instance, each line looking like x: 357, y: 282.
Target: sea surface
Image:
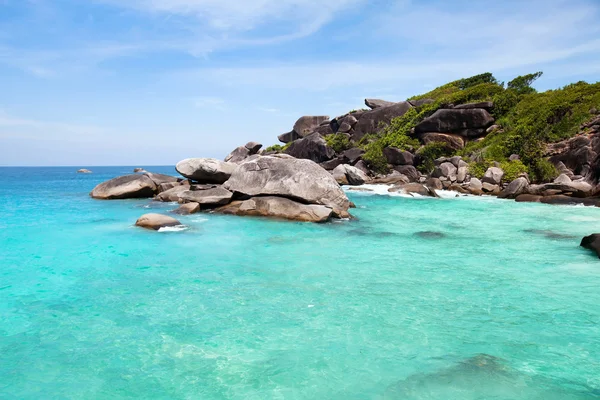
x: 454, y: 298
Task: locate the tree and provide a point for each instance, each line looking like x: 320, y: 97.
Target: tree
x: 522, y: 84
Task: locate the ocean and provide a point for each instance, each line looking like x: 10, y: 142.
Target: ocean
x: 418, y: 298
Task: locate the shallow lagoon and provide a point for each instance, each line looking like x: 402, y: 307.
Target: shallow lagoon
x: 455, y: 298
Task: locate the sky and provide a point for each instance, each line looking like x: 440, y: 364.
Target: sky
x: 151, y: 82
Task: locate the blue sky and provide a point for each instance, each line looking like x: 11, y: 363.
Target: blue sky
x: 150, y: 82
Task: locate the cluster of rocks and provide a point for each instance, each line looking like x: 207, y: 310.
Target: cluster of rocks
x: 276, y: 186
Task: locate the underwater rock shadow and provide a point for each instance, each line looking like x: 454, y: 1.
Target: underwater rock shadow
x: 550, y: 234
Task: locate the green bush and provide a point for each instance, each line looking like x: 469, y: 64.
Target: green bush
x: 543, y: 171
x: 374, y: 157
x: 276, y: 147
x: 431, y: 152
x: 478, y: 169
x: 339, y: 142
x: 512, y: 170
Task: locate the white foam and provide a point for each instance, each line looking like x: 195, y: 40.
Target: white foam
x: 178, y: 228
x: 582, y: 218
x: 383, y: 190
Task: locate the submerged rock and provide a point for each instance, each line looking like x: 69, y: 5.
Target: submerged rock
x: 592, y: 242
x: 292, y: 178
x: 125, y: 187
x: 278, y: 207
x: 187, y: 209
x: 156, y: 221
x: 205, y: 170
x: 430, y: 235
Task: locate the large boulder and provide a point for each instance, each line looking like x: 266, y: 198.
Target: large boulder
x: 372, y: 121
x: 348, y: 175
x: 353, y: 155
x: 577, y: 188
x: 210, y: 197
x: 288, y: 137
x: 446, y: 170
x: 592, y: 242
x: 306, y: 125
x: 347, y: 124
x: 421, y: 102
x: 172, y: 194
x: 396, y: 156
x: 454, y: 142
x: 376, y: 103
x: 279, y: 207
x: 125, y: 187
x: 486, y: 105
x: 205, y: 170
x: 188, y: 208
x: 241, y: 153
x: 466, y: 123
x: 156, y: 221
x: 159, y: 179
x: 515, y: 188
x: 292, y: 178
x: 493, y: 175
x: 414, y: 188
x: 313, y: 147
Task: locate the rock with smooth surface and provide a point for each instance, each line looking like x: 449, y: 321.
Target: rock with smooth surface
x: 563, y: 179
x: 306, y: 125
x: 188, y: 209
x: 209, y: 197
x: 463, y: 122
x: 125, y: 187
x: 461, y: 174
x: 592, y: 242
x: 313, y: 147
x: 446, y: 170
x: 238, y: 155
x: 396, y: 156
x: 205, y: 170
x: 288, y: 137
x: 292, y: 178
x: 350, y: 175
x: 353, y: 155
x: 515, y: 188
x: 491, y: 188
x: 454, y: 142
x: 159, y: 179
x: 253, y: 147
x: 414, y: 188
x: 376, y: 103
x: 493, y: 175
x: 278, y: 207
x: 156, y: 221
x: 371, y: 122
x: 172, y: 194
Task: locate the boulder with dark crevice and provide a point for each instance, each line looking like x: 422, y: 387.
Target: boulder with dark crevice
x: 465, y: 122
x: 278, y: 207
x: 313, y: 147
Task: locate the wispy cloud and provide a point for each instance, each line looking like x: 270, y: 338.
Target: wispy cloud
x: 215, y: 103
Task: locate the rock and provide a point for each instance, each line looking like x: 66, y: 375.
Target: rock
x: 421, y: 102
x: 339, y: 174
x: 125, y: 187
x: 188, y: 208
x: 331, y: 164
x: 491, y: 188
x: 353, y: 155
x: 238, y: 155
x: 278, y: 207
x: 514, y: 157
x: 308, y: 124
x: 578, y: 189
x: 396, y: 156
x: 253, y: 147
x: 372, y: 121
x: 486, y: 105
x: 579, y: 154
x: 455, y: 187
x: 312, y: 147
x: 348, y: 175
x: 454, y: 142
x: 292, y: 178
x: 210, y: 197
x: 347, y: 123
x: 172, y: 194
x: 515, y: 188
x: 492, y: 128
x: 563, y: 179
x: 393, y: 178
x: 493, y: 175
x: 568, y: 200
x: 159, y: 179
x: 459, y: 121
x: 362, y: 166
x: 376, y: 103
x: 156, y: 221
x: 408, y: 170
x: 447, y: 170
x: 592, y: 242
x: 288, y: 137
x: 434, y: 183
x: 430, y: 235
x: 461, y: 174
x: 205, y: 170
x: 528, y: 198
x: 136, y: 170
x: 456, y: 161
x: 414, y: 188
x: 84, y: 171
x: 163, y: 187
x: 563, y: 170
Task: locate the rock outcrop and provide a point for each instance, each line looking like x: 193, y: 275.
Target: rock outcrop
x: 592, y: 242
x: 125, y: 187
x: 454, y: 142
x: 469, y: 123
x: 313, y: 147
x: 348, y: 175
x: 188, y: 208
x: 278, y: 207
x: 515, y: 188
x: 205, y: 170
x: 207, y: 197
x: 172, y: 194
x: 396, y: 156
x: 241, y: 153
x: 301, y: 180
x: 376, y: 103
x: 371, y: 121
x: 156, y: 221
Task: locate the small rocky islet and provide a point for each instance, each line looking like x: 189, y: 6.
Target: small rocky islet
x: 448, y: 139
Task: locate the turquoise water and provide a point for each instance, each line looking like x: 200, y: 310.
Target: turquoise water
x: 499, y: 302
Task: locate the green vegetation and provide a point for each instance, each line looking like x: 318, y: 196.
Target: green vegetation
x: 339, y: 142
x: 429, y: 153
x: 528, y: 121
x: 276, y: 147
